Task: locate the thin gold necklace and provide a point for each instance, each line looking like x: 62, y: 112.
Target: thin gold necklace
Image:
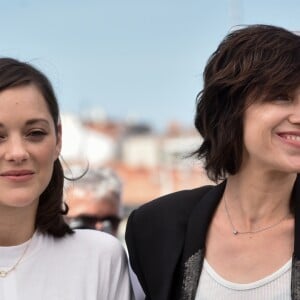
x: 236, y: 232
x: 3, y: 273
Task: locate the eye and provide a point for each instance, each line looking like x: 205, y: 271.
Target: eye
x: 36, y: 135
x: 283, y: 98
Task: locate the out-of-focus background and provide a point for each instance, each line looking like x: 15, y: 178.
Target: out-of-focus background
x: 126, y: 74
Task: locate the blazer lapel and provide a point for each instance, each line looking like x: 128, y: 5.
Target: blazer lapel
x: 296, y: 257
x: 194, y: 246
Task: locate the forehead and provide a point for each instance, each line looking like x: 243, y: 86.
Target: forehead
x: 23, y: 102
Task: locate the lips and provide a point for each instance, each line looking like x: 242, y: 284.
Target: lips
x: 17, y: 173
x: 291, y: 138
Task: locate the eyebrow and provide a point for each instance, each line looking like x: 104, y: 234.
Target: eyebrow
x: 38, y: 120
x: 32, y: 122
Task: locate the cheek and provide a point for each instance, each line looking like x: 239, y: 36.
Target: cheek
x: 256, y: 142
x: 250, y: 136
x: 58, y: 143
x: 46, y: 158
x: 257, y: 130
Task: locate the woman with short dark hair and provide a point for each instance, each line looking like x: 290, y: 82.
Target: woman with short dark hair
x: 240, y: 238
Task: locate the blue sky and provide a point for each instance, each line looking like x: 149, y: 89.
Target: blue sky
x: 132, y: 58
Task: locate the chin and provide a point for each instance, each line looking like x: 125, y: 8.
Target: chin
x: 20, y: 203
x: 290, y: 166
x: 293, y: 170
x: 17, y: 201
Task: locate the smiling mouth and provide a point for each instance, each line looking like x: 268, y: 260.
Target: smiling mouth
x: 291, y: 137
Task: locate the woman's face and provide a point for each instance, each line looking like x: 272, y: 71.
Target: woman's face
x: 29, y: 146
x: 272, y: 134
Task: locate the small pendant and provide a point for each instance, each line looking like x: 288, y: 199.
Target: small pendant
x: 3, y: 273
x: 235, y: 232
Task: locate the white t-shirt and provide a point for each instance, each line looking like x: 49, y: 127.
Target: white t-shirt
x: 88, y: 265
x: 276, y: 286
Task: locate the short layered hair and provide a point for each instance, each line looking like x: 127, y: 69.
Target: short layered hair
x: 253, y: 63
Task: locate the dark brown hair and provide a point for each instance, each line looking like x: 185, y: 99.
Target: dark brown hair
x: 252, y: 62
x: 49, y: 218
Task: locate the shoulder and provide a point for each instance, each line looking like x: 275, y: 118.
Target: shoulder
x: 88, y: 242
x: 165, y: 218
x: 97, y: 240
x: 155, y: 234
x: 91, y: 264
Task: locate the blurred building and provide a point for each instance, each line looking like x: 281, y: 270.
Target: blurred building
x: 150, y: 164
x: 82, y: 145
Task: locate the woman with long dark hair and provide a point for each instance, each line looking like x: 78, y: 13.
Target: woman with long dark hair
x: 40, y: 256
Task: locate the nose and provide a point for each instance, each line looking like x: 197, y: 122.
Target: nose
x: 16, y: 150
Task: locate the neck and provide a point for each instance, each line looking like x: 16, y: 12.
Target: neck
x: 15, y: 236
x: 17, y: 226
x: 258, y: 200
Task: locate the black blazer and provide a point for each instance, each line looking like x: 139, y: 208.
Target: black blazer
x: 166, y: 242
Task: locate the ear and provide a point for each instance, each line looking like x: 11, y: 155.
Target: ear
x: 58, y: 140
